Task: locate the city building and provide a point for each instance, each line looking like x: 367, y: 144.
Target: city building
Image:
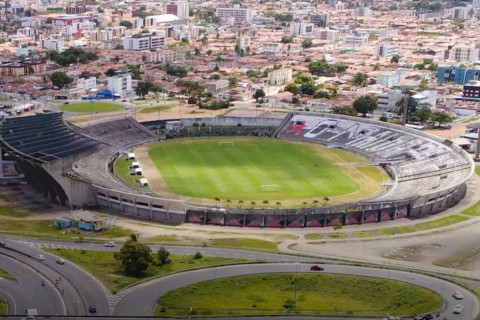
x: 218, y: 86
x: 18, y: 68
x: 25, y: 50
x: 236, y: 14
x: 386, y: 50
x: 53, y: 44
x: 181, y: 9
x: 143, y: 41
x: 280, y: 77
x: 75, y: 9
x: 244, y: 42
x: 390, y: 79
x: 458, y: 75
x: 327, y: 34
x: 339, y: 6
x: 87, y: 83
x: 476, y: 3
x: 429, y: 97
x: 463, y: 13
x: 356, y: 39
x: 163, y: 56
x: 364, y: 12
x: 272, y: 47
x: 320, y: 19
x: 386, y: 101
x: 462, y: 53
x: 301, y: 28
x: 472, y: 90
x: 120, y: 84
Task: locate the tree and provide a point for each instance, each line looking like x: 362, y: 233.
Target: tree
x: 196, y: 52
x: 307, y: 43
x: 337, y: 226
x: 287, y: 39
x: 232, y: 82
x: 265, y: 204
x: 228, y: 201
x: 126, y: 23
x: 253, y: 203
x: 134, y: 237
x: 441, y: 118
x: 293, y: 88
x: 60, y: 79
x: 240, y: 203
x: 278, y: 203
x: 345, y: 110
x: 162, y: 256
x: 135, y: 257
x: 111, y: 72
x: 423, y: 84
x: 217, y: 200
x: 142, y: 89
x: 325, y: 200
x: 259, y: 94
x: 365, y: 104
x: 395, y: 59
x: 360, y: 79
x: 423, y: 112
x: 315, y: 203
x: 308, y: 88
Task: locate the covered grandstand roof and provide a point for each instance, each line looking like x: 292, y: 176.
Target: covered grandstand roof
x: 44, y: 137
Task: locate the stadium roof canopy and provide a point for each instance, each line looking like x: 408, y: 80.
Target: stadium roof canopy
x: 44, y: 137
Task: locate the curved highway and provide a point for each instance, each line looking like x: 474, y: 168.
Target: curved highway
x: 77, y: 290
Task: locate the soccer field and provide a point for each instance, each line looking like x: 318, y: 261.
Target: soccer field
x: 93, y: 106
x: 250, y: 169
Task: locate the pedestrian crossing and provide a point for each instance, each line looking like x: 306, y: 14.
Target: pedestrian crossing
x: 44, y: 245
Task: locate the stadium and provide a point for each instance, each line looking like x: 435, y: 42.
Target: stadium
x: 74, y: 166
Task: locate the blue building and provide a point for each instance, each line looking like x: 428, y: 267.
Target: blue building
x: 459, y: 75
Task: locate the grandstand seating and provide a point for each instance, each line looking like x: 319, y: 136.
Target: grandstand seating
x: 420, y: 164
x: 37, y: 137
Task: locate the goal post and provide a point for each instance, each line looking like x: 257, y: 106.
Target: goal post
x: 270, y: 187
x: 225, y: 143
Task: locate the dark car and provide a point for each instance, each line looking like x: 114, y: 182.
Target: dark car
x: 92, y: 309
x: 2, y: 244
x: 428, y: 317
x: 316, y: 268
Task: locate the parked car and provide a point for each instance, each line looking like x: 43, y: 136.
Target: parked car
x: 457, y: 295
x: 428, y: 317
x: 458, y: 309
x: 2, y: 244
x: 60, y: 261
x: 40, y: 257
x: 109, y: 244
x: 316, y: 268
x: 92, y: 308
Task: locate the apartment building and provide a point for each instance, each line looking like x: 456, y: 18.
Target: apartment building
x: 458, y: 75
x: 218, y: 86
x: 321, y: 19
x: 120, y: 84
x: 462, y: 53
x: 144, y: 41
x: 356, y: 39
x: 236, y: 14
x: 327, y: 34
x: 364, y: 12
x: 280, y: 77
x: 472, y: 90
x: 271, y: 47
x: 87, y: 83
x: 390, y: 79
x: 244, y: 42
x: 301, y: 28
x: 429, y: 97
x: 476, y: 4
x: 386, y: 50
x: 386, y: 101
x: 181, y: 9
x: 19, y: 68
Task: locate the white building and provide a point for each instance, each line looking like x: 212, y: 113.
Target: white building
x: 218, y: 86
x: 327, y: 34
x: 120, y: 84
x: 476, y: 3
x: 363, y: 11
x: 462, y: 13
x: 25, y: 50
x: 386, y: 50
x: 356, y: 39
x: 280, y: 77
x: 390, y: 79
x: 87, y: 83
x: 462, y: 53
x: 244, y: 42
x: 272, y: 47
x: 386, y: 101
x: 145, y: 41
x: 181, y: 9
x: 163, y: 56
x: 53, y: 44
x: 301, y: 28
x: 339, y: 6
x: 240, y: 15
x: 429, y: 97
x: 27, y: 32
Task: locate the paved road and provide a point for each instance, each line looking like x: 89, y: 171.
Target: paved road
x: 141, y: 300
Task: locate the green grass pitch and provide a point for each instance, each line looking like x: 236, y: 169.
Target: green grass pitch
x: 200, y: 168
x: 94, y: 106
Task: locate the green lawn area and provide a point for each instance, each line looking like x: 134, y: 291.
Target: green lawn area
x: 202, y: 168
x: 154, y: 109
x: 406, y: 229
x: 325, y: 294
x: 477, y: 170
x: 440, y: 222
x: 338, y: 235
x: 109, y: 271
x: 385, y: 232
x: 120, y: 167
x: 347, y: 156
x: 473, y: 210
x: 94, y: 106
x: 12, y: 211
x: 375, y: 173
x: 313, y: 236
x: 3, y: 306
x: 362, y: 234
x: 6, y: 275
x: 44, y: 229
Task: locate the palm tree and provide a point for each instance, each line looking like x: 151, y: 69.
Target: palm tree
x: 240, y: 203
x: 278, y: 203
x: 304, y: 203
x: 325, y: 200
x: 315, y: 203
x: 253, y: 203
x: 228, y: 201
x: 265, y: 204
x: 217, y: 200
x: 196, y: 52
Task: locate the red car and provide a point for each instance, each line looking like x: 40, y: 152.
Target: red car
x: 316, y: 268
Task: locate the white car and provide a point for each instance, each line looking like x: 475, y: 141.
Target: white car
x: 40, y: 257
x: 60, y: 261
x: 109, y: 244
x: 458, y: 309
x: 457, y: 295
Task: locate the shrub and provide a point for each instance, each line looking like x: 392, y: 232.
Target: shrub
x: 198, y: 255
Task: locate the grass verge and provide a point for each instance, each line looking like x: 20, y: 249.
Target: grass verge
x: 473, y: 210
x: 385, y: 232
x: 325, y: 294
x: 121, y: 168
x: 7, y: 275
x: 154, y: 109
x: 406, y: 229
x: 338, y: 235
x: 313, y: 236
x: 12, y: 211
x: 94, y: 106
x: 109, y: 271
x: 440, y: 222
x: 3, y: 306
x: 362, y: 234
